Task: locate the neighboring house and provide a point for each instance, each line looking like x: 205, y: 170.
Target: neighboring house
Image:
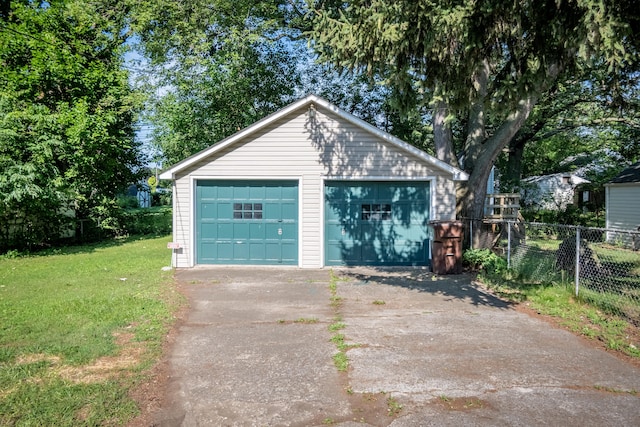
x: 553, y: 192
x: 622, y: 201
x: 310, y: 186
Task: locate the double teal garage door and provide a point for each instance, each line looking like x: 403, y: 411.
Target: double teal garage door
x: 365, y: 223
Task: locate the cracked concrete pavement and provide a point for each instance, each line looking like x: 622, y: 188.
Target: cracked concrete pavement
x: 255, y: 350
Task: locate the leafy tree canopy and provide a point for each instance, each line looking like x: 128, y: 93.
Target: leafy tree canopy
x: 66, y: 115
x: 480, y: 66
x: 217, y: 66
x: 589, y: 115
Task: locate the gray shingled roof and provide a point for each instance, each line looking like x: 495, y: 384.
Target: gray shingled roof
x: 630, y: 174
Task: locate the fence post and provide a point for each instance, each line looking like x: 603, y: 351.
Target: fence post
x: 508, y: 244
x: 577, y: 279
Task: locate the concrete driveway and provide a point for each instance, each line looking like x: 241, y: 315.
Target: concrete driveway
x: 256, y: 350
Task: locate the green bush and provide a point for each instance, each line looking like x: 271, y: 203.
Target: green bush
x: 128, y: 202
x: 156, y: 221
x: 484, y: 259
x: 161, y: 199
x: 572, y: 215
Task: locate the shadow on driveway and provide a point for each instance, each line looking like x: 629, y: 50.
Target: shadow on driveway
x: 458, y: 287
x: 256, y: 349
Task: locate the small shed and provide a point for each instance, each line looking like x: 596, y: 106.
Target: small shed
x: 622, y: 201
x: 309, y: 186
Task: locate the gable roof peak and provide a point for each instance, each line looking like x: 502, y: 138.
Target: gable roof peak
x: 308, y: 100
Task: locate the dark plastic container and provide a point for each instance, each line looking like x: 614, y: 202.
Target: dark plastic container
x: 446, y: 249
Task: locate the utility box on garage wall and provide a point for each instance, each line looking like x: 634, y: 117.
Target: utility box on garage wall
x: 446, y: 252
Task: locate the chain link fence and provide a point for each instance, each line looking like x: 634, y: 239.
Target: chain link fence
x: 601, y: 265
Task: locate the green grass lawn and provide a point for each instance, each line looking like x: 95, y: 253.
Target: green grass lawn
x: 608, y: 314
x: 78, y: 328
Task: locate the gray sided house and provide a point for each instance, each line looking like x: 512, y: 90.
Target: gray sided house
x: 552, y: 192
x: 622, y: 200
x: 309, y: 186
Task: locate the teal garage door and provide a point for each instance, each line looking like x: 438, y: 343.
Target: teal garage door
x: 247, y: 222
x: 376, y: 223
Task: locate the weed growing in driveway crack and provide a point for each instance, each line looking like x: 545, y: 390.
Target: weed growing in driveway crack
x: 337, y: 326
x: 338, y: 340
x: 336, y: 302
x: 306, y: 320
x: 615, y: 390
x: 378, y: 302
x: 393, y: 407
x: 340, y: 359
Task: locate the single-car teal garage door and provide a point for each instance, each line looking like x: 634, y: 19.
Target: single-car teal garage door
x: 246, y: 222
x: 376, y: 223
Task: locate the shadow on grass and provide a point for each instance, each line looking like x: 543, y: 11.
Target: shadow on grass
x: 83, y: 247
x: 454, y: 287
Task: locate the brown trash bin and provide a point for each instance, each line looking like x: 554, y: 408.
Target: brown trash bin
x: 446, y: 249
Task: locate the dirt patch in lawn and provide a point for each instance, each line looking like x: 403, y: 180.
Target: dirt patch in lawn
x: 28, y: 359
x: 101, y: 369
x: 104, y: 368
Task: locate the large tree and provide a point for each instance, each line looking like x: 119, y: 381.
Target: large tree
x: 587, y: 114
x: 216, y: 66
x: 480, y: 66
x: 67, y: 116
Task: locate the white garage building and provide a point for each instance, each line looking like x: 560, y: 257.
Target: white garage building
x: 309, y: 186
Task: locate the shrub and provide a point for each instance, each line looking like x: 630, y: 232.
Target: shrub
x: 128, y: 202
x: 147, y: 221
x: 161, y: 199
x: 572, y: 215
x: 484, y: 259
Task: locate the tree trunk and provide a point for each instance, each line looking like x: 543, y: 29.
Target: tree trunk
x: 473, y: 197
x: 476, y: 127
x: 442, y: 134
x: 511, y: 176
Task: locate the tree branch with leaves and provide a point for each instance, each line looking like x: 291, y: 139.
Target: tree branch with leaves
x: 484, y: 65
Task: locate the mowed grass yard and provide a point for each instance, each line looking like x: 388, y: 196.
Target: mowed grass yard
x: 79, y: 329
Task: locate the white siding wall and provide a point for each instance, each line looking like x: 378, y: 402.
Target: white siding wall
x: 550, y: 192
x: 310, y: 150
x: 623, y: 206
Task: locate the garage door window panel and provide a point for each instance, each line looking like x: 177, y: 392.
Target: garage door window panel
x: 375, y: 212
x: 247, y: 210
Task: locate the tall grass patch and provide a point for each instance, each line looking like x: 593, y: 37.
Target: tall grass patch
x: 535, y: 277
x: 78, y: 326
